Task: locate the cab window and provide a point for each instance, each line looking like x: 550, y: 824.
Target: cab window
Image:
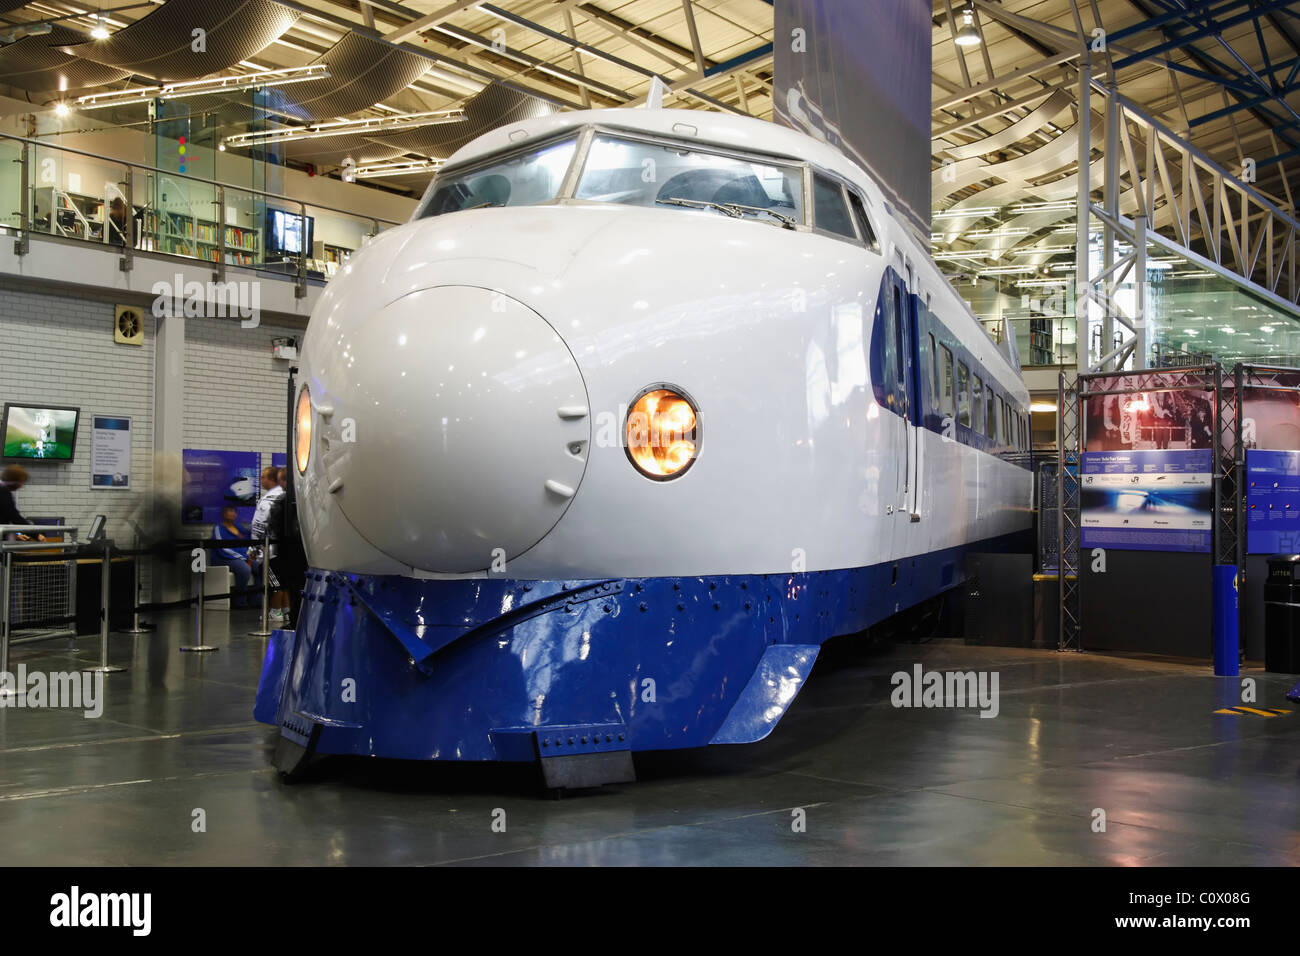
x: 829, y: 211
x: 864, y: 224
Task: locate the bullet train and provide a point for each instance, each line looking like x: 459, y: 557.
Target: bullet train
x: 593, y: 454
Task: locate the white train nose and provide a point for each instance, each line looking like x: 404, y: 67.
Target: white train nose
x: 471, y: 428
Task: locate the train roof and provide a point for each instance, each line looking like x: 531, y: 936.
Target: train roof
x: 715, y: 129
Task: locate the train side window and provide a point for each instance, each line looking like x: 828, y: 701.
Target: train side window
x: 934, y: 371
x: 977, y: 404
x: 864, y: 223
x: 963, y: 394
x: 946, y: 381
x: 993, y: 414
x: 1006, y: 422
x: 829, y: 211
x: 889, y: 306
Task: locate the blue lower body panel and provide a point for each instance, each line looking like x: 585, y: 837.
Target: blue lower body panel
x: 514, y: 670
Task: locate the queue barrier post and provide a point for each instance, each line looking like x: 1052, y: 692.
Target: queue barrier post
x: 265, y: 629
x: 105, y: 582
x: 200, y: 580
x: 135, y: 627
x: 6, y: 570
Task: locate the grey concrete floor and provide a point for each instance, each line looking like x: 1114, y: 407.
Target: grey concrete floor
x: 1179, y: 784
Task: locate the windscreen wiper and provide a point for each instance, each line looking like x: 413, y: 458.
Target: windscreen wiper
x: 733, y: 209
x: 724, y: 208
x: 787, y: 221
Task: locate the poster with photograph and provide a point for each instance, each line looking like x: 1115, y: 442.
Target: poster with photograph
x: 1159, y: 420
x: 1147, y: 500
x: 1270, y: 417
x: 110, y: 451
x: 1272, y: 501
x: 213, y: 480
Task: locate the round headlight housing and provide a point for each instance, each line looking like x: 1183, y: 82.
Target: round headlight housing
x: 302, y: 431
x: 662, y: 432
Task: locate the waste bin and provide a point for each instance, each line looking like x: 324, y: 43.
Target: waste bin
x: 1282, y: 614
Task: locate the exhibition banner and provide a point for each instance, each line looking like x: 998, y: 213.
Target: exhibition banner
x: 214, y: 479
x: 857, y: 76
x: 1272, y: 501
x: 1147, y: 500
x: 1270, y: 417
x: 110, y: 452
x: 1175, y: 418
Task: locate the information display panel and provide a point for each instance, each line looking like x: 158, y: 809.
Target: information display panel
x: 1272, y: 501
x: 1148, y: 500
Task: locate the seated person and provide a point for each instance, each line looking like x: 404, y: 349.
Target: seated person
x: 234, y: 558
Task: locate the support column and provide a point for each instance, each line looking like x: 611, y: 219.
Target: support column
x: 168, y: 443
x: 1083, y: 214
x: 1141, y: 328
x: 1110, y: 202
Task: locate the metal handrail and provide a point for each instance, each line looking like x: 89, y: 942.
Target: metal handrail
x: 198, y: 179
x: 69, y: 530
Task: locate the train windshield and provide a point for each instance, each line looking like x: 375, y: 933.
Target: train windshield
x: 523, y: 179
x: 680, y: 176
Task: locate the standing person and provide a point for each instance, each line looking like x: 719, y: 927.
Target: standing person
x: 290, y: 562
x: 12, y: 480
x: 229, y: 529
x: 271, y: 490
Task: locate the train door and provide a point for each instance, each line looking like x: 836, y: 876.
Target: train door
x: 905, y: 325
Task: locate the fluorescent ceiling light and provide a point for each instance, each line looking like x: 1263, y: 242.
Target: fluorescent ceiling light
x: 377, y: 170
x: 377, y: 124
x: 220, y: 84
x: 975, y: 212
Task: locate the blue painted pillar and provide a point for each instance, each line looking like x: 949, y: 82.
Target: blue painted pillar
x: 1225, y: 620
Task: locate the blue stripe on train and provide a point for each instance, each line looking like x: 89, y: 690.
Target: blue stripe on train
x: 416, y: 669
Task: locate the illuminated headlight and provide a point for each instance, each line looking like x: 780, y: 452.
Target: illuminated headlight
x: 663, y: 433
x: 302, y: 439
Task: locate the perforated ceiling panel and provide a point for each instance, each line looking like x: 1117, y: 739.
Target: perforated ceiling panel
x: 38, y: 65
x: 164, y: 45
x: 495, y: 106
x: 363, y: 72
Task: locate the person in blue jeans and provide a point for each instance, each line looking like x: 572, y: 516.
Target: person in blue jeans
x: 236, y: 559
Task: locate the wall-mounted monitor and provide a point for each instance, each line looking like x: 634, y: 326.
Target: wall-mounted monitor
x: 287, y: 234
x: 39, y: 432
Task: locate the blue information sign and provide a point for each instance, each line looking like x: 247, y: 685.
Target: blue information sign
x: 1272, y: 501
x: 1147, y: 499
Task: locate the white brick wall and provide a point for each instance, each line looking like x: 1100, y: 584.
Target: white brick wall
x: 59, y: 349
x: 235, y: 398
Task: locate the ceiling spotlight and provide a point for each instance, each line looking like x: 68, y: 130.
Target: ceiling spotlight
x: 968, y: 35
x: 61, y: 110
x: 221, y: 147
x: 99, y: 31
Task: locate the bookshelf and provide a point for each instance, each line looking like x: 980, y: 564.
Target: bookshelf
x: 180, y: 234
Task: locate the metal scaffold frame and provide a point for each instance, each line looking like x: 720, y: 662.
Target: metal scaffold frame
x: 1228, y: 463
x: 1069, y: 433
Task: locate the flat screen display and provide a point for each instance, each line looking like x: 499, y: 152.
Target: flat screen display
x: 286, y: 232
x: 39, y: 432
